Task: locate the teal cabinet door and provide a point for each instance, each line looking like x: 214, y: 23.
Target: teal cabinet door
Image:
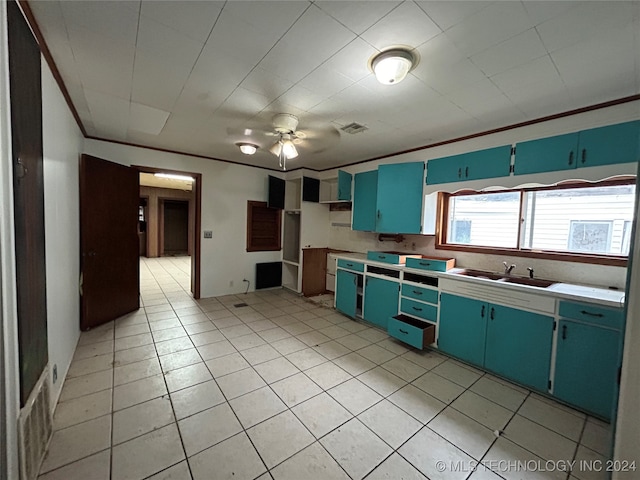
x: 399, y: 199
x: 445, y: 170
x: 489, y: 163
x: 344, y: 185
x: 519, y: 345
x: 365, y: 188
x: 380, y: 300
x: 346, y: 292
x: 463, y: 327
x: 587, y: 361
x: 547, y: 154
x: 608, y: 145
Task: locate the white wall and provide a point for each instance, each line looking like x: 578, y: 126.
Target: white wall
x: 62, y: 144
x: 10, y: 405
x: 344, y: 238
x: 226, y: 188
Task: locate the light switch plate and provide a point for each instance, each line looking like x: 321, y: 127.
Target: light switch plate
x: 208, y: 234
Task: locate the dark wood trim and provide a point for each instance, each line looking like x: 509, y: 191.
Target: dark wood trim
x: 196, y: 267
x: 160, y: 227
x: 442, y: 225
x: 46, y: 53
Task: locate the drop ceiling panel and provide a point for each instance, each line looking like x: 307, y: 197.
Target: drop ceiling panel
x: 193, y: 19
x: 117, y: 21
x: 156, y: 83
x: 109, y: 114
x: 447, y: 14
x: 324, y: 82
x: 357, y: 16
x: 156, y: 40
x: 266, y: 83
x: 540, y: 12
x: 147, y: 119
x: 490, y: 26
x: 405, y: 25
x: 344, y: 62
x: 511, y: 53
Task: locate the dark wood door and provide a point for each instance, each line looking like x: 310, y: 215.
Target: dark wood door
x: 28, y: 197
x: 109, y: 247
x: 314, y: 271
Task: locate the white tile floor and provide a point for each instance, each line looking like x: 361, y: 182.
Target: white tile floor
x: 285, y: 389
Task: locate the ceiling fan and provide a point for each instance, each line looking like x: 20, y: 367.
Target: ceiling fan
x: 285, y: 139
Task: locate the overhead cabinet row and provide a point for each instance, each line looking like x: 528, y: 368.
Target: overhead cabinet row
x: 609, y: 145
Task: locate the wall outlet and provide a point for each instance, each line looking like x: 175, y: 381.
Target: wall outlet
x: 208, y: 234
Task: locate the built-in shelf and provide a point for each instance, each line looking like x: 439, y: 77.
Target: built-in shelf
x: 296, y: 264
x: 293, y: 194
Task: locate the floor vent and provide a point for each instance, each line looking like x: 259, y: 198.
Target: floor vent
x: 238, y: 305
x: 34, y: 428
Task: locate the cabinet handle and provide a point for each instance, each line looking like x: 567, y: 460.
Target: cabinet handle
x: 571, y: 157
x: 466, y: 172
x: 564, y: 332
x: 417, y: 309
x: 417, y: 292
x: 339, y: 193
x: 424, y: 264
x: 378, y: 214
x: 460, y: 173
x: 382, y: 257
x: 403, y: 331
x: 584, y: 155
x: 492, y: 315
x: 585, y: 312
x: 349, y: 264
x: 482, y: 312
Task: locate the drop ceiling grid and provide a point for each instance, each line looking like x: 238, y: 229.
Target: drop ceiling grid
x: 483, y: 64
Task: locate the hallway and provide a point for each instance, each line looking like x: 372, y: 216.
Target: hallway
x: 241, y: 385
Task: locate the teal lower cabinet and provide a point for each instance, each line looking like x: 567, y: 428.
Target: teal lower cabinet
x: 346, y: 292
x: 587, y: 361
x: 463, y: 327
x: 411, y: 331
x: 380, y: 300
x: 518, y: 345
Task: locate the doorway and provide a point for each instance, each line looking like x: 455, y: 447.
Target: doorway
x: 169, y: 215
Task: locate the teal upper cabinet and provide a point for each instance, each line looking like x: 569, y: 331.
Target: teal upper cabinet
x: 519, y: 345
x: 344, y: 186
x: 547, y: 154
x: 587, y: 361
x: 399, y: 202
x: 608, y: 145
x: 463, y: 327
x: 588, y: 148
x: 365, y: 189
x: 380, y: 300
x: 490, y: 163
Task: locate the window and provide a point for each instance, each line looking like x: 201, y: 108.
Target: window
x: 263, y: 227
x: 577, y: 220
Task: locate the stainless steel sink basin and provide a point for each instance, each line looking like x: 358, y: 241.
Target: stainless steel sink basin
x: 498, y: 277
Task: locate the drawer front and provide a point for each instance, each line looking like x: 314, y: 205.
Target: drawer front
x: 417, y: 309
x: 419, y: 293
x: 595, y: 314
x: 414, y: 335
x: 384, y: 257
x: 351, y: 265
x: 427, y: 264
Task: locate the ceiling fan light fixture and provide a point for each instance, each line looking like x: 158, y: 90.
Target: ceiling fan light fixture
x: 248, y: 148
x: 392, y: 66
x: 276, y: 148
x: 289, y: 149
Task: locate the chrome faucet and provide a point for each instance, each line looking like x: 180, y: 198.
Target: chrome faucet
x: 530, y: 272
x: 508, y: 268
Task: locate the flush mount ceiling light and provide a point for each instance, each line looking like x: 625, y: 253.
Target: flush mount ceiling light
x: 247, y: 148
x: 173, y: 176
x: 392, y: 66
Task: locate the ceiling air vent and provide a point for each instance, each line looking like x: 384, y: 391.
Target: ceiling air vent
x: 354, y: 128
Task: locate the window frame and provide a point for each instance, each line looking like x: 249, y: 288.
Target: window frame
x: 277, y: 233
x: 599, y: 259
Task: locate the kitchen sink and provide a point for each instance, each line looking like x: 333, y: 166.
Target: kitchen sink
x: 499, y: 277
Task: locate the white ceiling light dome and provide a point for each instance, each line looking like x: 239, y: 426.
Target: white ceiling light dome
x: 392, y: 66
x: 247, y: 148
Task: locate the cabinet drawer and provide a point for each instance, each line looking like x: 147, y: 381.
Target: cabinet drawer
x: 417, y: 309
x: 433, y: 264
x: 351, y: 265
x: 409, y: 330
x: 595, y: 314
x: 394, y: 258
x: 419, y: 293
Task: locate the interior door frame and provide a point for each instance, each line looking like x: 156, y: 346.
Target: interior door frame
x: 197, y: 191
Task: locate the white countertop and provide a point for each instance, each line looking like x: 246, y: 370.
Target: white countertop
x: 582, y: 293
